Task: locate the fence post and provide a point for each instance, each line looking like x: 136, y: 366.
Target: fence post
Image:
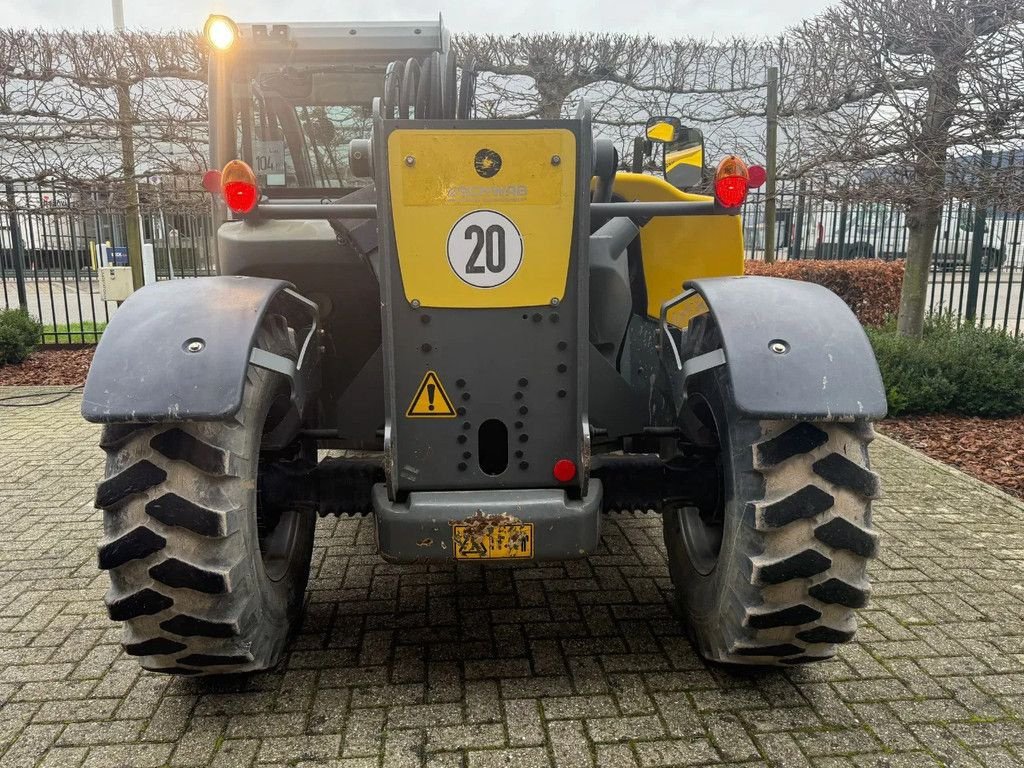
x: 798, y: 237
x: 638, y: 154
x: 770, y: 150
x: 17, y: 250
x: 977, y: 248
x: 841, y: 246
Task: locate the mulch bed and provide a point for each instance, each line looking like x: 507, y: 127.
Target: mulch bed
x: 49, y: 367
x: 989, y: 449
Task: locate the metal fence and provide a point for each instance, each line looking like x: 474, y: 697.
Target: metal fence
x: 978, y: 255
x: 54, y: 238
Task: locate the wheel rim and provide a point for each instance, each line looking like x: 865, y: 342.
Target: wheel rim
x: 703, y: 528
x: 278, y: 543
x: 277, y: 526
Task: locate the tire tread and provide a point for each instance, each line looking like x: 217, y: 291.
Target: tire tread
x: 807, y: 543
x: 138, y: 544
x: 135, y: 479
x: 813, y: 568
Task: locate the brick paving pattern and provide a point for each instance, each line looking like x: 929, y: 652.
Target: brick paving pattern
x: 569, y: 664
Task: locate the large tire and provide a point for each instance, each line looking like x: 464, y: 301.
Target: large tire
x: 184, y: 539
x: 773, y: 572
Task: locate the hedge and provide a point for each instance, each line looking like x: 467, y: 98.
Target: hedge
x: 870, y: 287
x: 951, y: 369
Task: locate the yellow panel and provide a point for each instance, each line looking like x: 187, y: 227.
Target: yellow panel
x: 681, y: 248
x: 450, y: 188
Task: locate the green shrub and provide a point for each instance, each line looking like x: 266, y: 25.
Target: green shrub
x: 19, y: 335
x: 968, y: 370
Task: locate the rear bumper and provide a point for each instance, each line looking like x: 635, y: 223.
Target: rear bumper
x: 431, y: 525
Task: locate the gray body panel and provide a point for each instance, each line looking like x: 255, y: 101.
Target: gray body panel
x: 389, y: 38
x: 420, y: 529
x: 829, y: 370
x: 614, y: 405
x: 308, y: 254
x: 143, y: 371
x: 611, y: 297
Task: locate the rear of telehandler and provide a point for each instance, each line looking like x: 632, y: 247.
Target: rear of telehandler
x: 506, y: 337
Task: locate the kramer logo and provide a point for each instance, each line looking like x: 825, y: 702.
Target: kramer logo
x: 474, y: 193
x: 487, y: 163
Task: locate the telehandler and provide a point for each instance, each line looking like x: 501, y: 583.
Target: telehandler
x: 500, y: 338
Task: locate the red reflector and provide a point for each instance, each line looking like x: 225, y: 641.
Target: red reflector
x: 564, y: 470
x: 240, y: 196
x: 211, y: 182
x: 758, y: 176
x: 731, y: 191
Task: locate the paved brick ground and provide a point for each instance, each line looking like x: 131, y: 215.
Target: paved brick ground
x: 579, y: 664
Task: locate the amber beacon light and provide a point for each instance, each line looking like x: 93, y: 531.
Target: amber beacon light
x: 732, y: 182
x: 238, y: 187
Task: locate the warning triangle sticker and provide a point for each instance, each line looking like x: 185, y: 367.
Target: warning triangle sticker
x: 430, y: 401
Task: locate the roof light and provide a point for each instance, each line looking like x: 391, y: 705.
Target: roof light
x: 732, y: 182
x: 239, y: 188
x: 221, y: 32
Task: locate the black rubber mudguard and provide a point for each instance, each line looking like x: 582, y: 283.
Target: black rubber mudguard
x: 179, y: 350
x: 794, y: 350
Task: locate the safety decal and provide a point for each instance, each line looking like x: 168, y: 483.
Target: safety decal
x: 430, y: 400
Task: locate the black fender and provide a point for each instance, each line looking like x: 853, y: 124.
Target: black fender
x: 179, y: 351
x: 793, y: 350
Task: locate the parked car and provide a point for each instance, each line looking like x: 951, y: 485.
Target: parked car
x: 954, y: 251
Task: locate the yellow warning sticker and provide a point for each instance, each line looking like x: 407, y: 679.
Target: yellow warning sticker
x: 496, y: 542
x: 430, y: 400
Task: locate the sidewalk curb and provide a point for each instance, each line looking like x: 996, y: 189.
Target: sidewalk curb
x: 1000, y: 494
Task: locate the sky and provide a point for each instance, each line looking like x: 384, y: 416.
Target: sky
x: 666, y: 19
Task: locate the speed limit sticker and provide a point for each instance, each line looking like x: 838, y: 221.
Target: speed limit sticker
x: 485, y: 249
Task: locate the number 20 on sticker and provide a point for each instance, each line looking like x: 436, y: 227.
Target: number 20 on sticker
x: 485, y: 249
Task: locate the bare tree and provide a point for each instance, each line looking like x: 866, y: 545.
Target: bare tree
x: 717, y: 86
x: 91, y: 106
x: 60, y: 116
x: 888, y: 99
x: 899, y: 95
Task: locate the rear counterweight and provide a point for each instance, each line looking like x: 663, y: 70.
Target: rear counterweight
x: 484, y: 303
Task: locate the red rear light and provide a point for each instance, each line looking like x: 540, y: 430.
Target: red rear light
x: 564, y: 470
x: 240, y: 196
x: 238, y: 187
x: 732, y: 182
